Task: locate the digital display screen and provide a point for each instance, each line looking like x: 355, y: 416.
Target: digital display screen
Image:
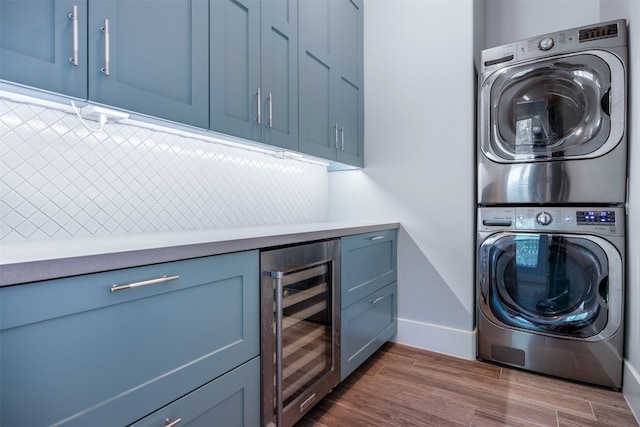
x: 596, y: 217
x: 596, y: 33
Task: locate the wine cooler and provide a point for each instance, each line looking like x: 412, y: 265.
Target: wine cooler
x: 300, y: 322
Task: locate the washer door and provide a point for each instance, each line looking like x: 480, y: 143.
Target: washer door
x: 556, y: 284
x: 561, y: 108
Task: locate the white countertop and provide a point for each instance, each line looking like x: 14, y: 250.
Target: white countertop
x: 26, y: 261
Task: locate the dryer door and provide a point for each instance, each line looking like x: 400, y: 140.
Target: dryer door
x: 558, y: 284
x: 561, y: 108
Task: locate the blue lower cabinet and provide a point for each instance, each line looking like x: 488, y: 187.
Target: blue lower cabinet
x: 368, y: 262
x: 233, y: 400
x: 365, y: 326
x: 368, y: 295
x: 76, y: 352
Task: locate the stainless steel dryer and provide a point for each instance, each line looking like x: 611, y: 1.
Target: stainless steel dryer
x: 550, y: 290
x: 552, y: 118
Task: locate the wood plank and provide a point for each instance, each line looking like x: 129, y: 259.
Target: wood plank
x: 405, y: 386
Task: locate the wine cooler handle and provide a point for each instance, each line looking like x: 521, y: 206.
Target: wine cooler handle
x: 278, y: 276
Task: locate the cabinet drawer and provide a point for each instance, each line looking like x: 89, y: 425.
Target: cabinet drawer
x: 233, y: 400
x: 76, y: 353
x: 365, y: 326
x: 368, y: 262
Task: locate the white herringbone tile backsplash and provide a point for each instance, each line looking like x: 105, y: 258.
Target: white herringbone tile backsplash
x: 59, y: 180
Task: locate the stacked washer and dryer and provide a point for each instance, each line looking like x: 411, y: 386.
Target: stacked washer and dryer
x: 552, y: 187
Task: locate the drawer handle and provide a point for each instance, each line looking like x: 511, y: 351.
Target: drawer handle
x: 376, y: 237
x: 169, y: 423
x: 116, y: 288
x: 376, y: 299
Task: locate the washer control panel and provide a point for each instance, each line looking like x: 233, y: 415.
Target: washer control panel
x: 544, y: 218
x: 607, y: 221
x: 546, y: 43
x: 602, y: 217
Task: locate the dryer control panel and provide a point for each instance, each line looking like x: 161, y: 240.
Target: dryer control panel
x: 601, y: 36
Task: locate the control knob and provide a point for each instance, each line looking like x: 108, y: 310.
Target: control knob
x: 544, y: 218
x: 546, y: 43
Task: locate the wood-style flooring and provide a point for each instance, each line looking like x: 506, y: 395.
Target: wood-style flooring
x: 405, y: 386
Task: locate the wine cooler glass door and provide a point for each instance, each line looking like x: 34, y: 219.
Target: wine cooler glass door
x: 301, y: 323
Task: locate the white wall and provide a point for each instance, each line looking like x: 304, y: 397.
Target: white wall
x: 419, y: 140
x: 419, y: 162
x: 630, y: 9
x: 420, y: 146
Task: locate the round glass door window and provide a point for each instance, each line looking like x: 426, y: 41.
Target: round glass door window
x: 556, y: 108
x: 549, y: 283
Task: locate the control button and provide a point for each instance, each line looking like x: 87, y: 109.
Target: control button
x: 546, y: 43
x: 544, y: 218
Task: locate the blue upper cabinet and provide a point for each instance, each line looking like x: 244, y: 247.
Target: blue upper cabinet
x: 279, y: 72
x: 350, y: 94
x: 235, y: 67
x: 253, y: 65
x: 43, y: 43
x: 288, y: 73
x: 331, y: 80
x: 151, y: 57
x: 318, y: 123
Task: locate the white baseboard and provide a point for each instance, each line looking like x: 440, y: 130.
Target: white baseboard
x: 441, y: 339
x: 631, y: 388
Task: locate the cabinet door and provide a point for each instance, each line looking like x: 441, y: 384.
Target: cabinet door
x: 37, y: 44
x: 317, y: 60
x: 236, y: 107
x: 233, y: 400
x: 365, y: 326
x: 279, y: 72
x: 350, y: 93
x: 76, y: 353
x: 151, y: 58
x: 331, y: 80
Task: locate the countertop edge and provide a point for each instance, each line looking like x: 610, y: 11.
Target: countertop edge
x: 33, y: 271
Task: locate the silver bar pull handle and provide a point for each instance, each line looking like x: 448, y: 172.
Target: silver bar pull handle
x: 270, y: 122
x: 259, y: 96
x: 336, y: 136
x: 174, y: 423
x: 278, y: 276
x: 74, y: 18
x: 307, y: 402
x: 376, y: 238
x: 163, y: 279
x: 376, y: 299
x: 106, y: 70
x: 342, y: 137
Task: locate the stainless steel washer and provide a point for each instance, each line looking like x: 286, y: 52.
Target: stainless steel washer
x: 550, y: 290
x: 552, y: 118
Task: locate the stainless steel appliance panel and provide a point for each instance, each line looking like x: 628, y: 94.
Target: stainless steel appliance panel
x: 550, y: 290
x: 552, y: 118
x: 300, y: 318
